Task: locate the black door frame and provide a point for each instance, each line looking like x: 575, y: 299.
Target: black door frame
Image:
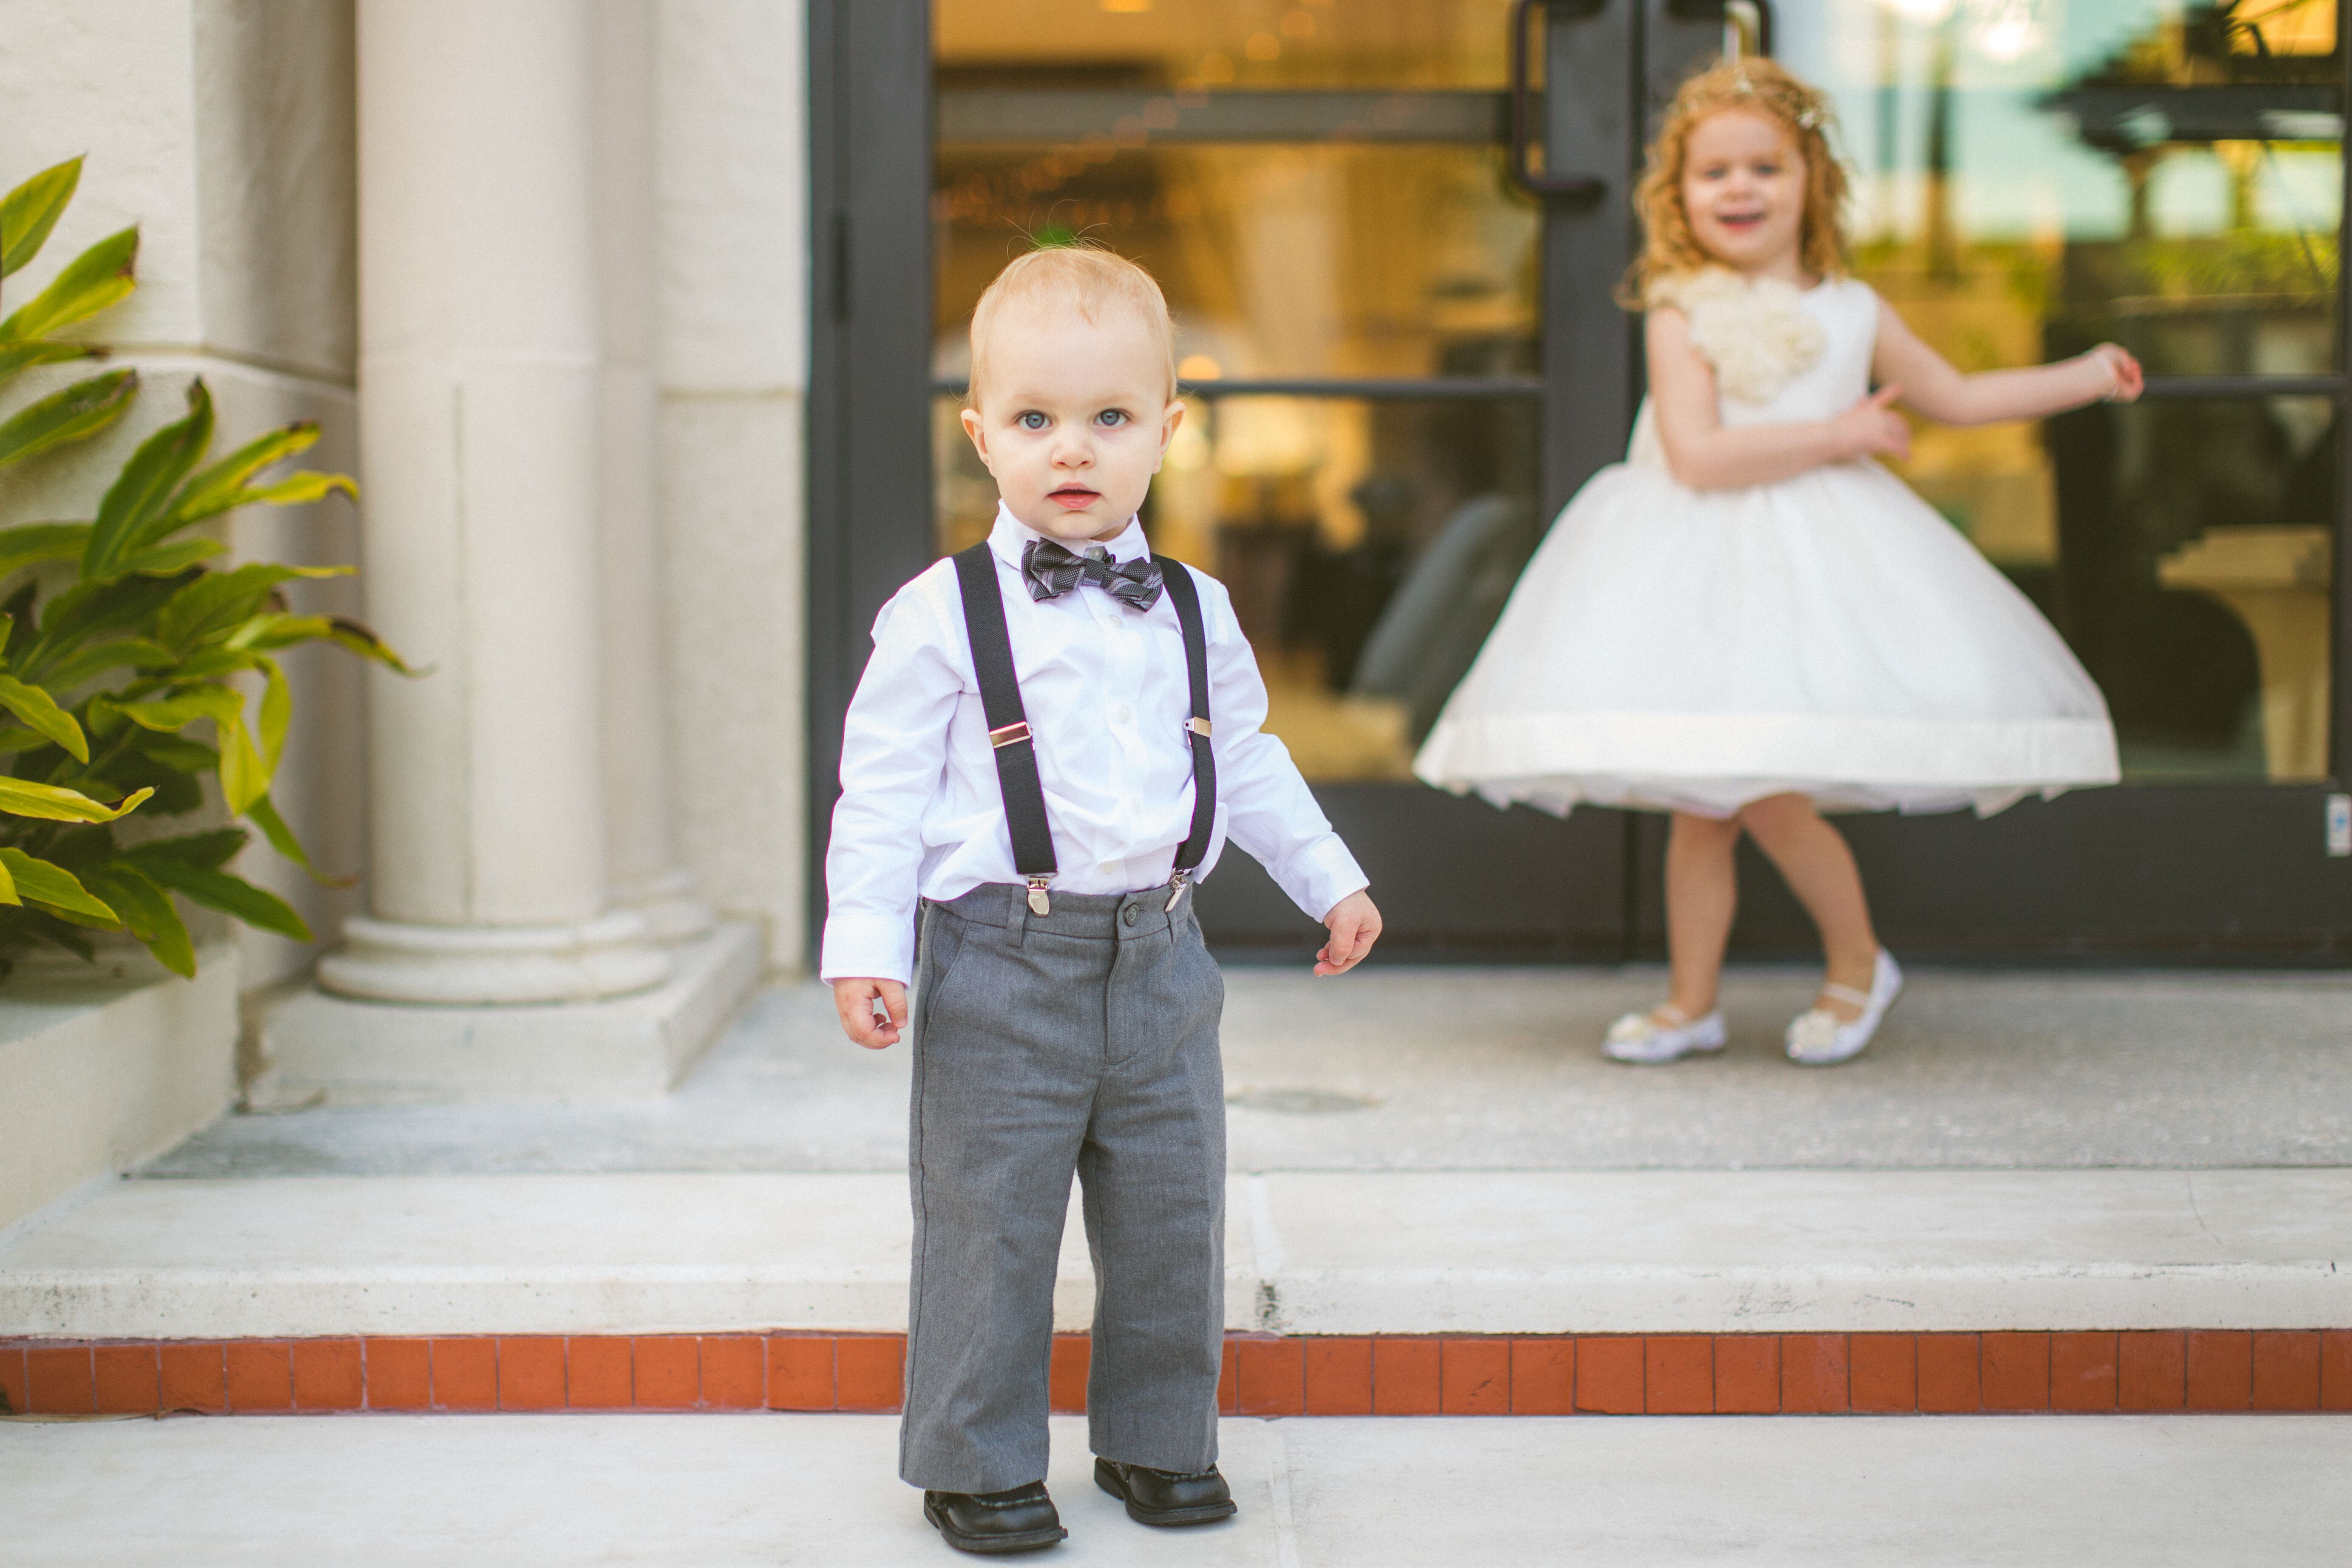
x: 2153, y: 873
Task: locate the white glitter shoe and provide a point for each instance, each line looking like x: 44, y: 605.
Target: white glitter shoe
x: 1819, y: 1039
x: 1640, y: 1038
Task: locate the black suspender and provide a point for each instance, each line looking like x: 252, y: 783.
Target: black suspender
x: 1016, y: 748
x: 1008, y: 727
x: 1186, y: 596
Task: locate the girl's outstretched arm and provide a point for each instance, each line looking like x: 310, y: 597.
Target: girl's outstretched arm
x: 1933, y: 387
x: 1704, y: 455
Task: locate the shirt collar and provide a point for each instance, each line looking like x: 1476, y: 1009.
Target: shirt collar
x: 1011, y: 535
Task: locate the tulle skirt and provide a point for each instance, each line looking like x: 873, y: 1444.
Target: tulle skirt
x: 1831, y: 635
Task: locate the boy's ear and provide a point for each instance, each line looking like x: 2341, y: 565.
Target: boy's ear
x: 978, y: 431
x: 1168, y: 423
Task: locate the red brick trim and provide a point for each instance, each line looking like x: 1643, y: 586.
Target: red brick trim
x: 1265, y: 1374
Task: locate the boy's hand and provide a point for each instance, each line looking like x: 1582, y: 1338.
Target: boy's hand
x: 1354, y: 925
x: 853, y: 1000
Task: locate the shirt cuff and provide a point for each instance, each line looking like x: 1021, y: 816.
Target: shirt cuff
x: 869, y: 947
x: 1320, y: 875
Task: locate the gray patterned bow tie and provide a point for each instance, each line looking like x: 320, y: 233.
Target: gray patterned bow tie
x: 1051, y: 572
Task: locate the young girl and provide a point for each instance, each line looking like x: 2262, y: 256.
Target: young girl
x: 1750, y: 621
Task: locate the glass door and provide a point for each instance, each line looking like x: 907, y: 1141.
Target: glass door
x: 1388, y: 230
x: 2035, y: 176
x: 1322, y: 190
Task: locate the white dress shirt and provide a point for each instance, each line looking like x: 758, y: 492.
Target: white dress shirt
x: 1106, y: 695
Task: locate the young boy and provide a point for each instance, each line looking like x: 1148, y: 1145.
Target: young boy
x: 1055, y: 735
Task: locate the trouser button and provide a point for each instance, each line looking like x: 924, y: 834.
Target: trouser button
x: 1128, y: 914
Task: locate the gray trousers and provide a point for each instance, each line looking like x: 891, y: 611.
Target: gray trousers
x: 1081, y: 1040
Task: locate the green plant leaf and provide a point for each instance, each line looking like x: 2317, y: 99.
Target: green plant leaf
x: 146, y: 909
x: 23, y: 356
x: 232, y: 895
x: 99, y: 657
x: 140, y: 494
x: 178, y: 752
x: 31, y: 210
x: 349, y: 634
x: 92, y: 612
x: 276, y: 712
x: 40, y: 712
x: 169, y: 559
x: 54, y: 885
x: 8, y: 894
x: 263, y: 633
x: 51, y: 803
x: 39, y: 542
x: 244, y: 773
x: 211, y: 490
x: 69, y: 413
x: 205, y: 851
x: 263, y: 814
x: 298, y: 488
x: 219, y: 602
x: 168, y: 715
x: 89, y: 283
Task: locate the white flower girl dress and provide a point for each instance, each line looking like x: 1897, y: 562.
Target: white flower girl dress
x: 1829, y: 635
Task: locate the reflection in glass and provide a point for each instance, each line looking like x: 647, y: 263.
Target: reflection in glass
x: 1315, y: 260
x: 2040, y: 176
x: 1368, y: 546
x: 2192, y: 575
x: 1239, y: 44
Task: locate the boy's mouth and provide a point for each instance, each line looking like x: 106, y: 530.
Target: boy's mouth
x: 1076, y: 497
x: 1739, y: 221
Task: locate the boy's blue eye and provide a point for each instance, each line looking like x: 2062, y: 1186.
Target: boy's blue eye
x: 1112, y: 418
x: 1033, y: 420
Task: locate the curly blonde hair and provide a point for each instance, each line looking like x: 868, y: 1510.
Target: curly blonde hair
x: 1669, y: 250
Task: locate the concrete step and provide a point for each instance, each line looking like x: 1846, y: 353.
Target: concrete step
x: 1308, y: 1253
x: 717, y: 1491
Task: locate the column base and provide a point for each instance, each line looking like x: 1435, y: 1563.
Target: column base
x: 457, y: 966
x: 673, y: 914
x: 315, y: 1044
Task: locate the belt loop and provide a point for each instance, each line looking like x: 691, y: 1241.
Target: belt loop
x: 1019, y: 929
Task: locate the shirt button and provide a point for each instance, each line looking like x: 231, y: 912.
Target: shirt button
x: 1123, y: 714
x: 1130, y: 915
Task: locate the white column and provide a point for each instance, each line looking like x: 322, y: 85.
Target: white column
x: 480, y: 413
x: 638, y: 745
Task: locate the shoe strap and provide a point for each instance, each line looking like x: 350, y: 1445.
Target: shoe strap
x: 1672, y: 1014
x: 1846, y: 994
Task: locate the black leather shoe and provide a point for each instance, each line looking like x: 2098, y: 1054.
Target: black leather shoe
x: 1165, y: 1497
x: 1021, y: 1520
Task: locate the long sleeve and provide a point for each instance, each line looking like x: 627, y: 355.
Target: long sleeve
x: 1269, y: 811
x: 894, y: 751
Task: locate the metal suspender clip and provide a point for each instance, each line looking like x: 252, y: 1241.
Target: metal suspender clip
x: 1008, y: 734
x: 1039, y: 904
x: 1197, y: 726
x: 1176, y: 890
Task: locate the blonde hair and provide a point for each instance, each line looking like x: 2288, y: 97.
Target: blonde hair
x: 1669, y: 250
x: 1083, y: 278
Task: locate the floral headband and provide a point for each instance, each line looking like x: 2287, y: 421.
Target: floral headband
x: 1809, y: 117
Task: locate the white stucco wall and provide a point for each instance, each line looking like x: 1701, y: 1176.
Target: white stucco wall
x: 225, y: 130
x: 731, y: 146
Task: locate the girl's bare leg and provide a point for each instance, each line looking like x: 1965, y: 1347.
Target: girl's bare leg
x: 1702, y: 895
x: 1819, y: 867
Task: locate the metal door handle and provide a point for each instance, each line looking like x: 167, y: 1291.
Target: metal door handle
x: 1525, y: 132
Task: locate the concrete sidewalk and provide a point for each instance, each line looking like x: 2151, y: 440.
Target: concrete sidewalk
x: 1467, y: 1068
x: 717, y: 1491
